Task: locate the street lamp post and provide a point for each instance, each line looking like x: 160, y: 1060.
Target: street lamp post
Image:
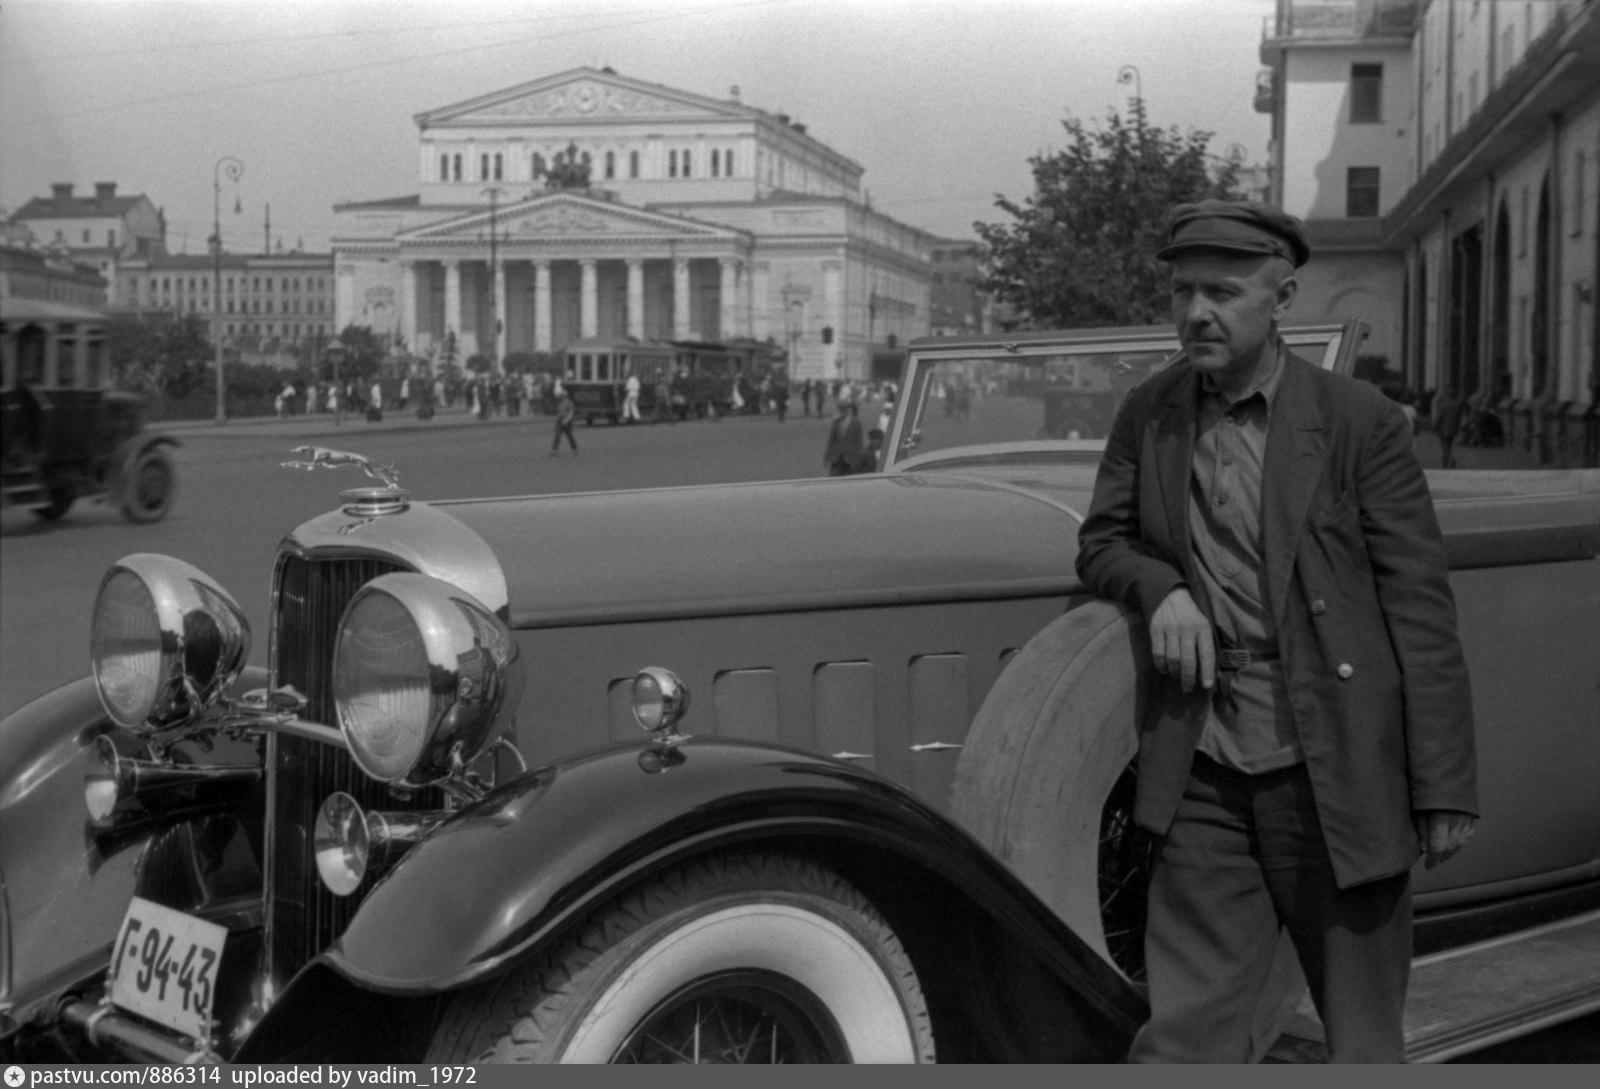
x: 495, y: 325
x: 1130, y: 74
x: 794, y: 312
x: 234, y: 169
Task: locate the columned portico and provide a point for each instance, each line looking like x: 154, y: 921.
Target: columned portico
x: 570, y: 267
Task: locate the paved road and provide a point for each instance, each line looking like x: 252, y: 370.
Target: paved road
x: 235, y: 503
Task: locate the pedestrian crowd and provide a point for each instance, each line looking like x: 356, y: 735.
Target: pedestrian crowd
x: 855, y: 437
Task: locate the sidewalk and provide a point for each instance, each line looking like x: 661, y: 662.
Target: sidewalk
x: 326, y: 425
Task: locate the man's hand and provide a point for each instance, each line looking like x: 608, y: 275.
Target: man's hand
x: 1443, y: 832
x: 1181, y: 643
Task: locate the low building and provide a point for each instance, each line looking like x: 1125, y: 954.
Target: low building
x: 52, y: 319
x: 273, y: 307
x: 590, y: 204
x: 101, y: 230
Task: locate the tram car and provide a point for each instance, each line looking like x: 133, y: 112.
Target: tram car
x: 701, y: 375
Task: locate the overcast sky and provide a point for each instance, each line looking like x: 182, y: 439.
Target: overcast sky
x: 941, y: 103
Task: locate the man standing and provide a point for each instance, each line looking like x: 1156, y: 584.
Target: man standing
x: 1269, y: 521
x: 630, y: 400
x: 845, y: 447
x: 780, y: 398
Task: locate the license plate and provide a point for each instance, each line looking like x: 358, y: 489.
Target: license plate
x: 165, y: 967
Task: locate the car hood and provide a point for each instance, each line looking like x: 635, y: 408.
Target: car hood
x: 785, y: 546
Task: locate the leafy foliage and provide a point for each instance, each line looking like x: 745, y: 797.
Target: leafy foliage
x: 161, y: 354
x: 1080, y: 251
x: 363, y: 352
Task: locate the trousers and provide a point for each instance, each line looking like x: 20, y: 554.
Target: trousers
x: 1243, y: 858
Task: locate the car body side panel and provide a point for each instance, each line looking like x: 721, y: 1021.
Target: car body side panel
x: 834, y: 681
x: 510, y: 871
x: 1532, y: 640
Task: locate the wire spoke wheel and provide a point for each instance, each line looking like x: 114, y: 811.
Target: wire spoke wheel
x: 749, y: 957
x: 1125, y: 855
x: 747, y: 1017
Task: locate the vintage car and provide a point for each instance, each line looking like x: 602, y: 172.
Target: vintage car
x: 66, y: 444
x: 892, y: 825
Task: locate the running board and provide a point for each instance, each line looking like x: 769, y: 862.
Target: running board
x: 1473, y: 996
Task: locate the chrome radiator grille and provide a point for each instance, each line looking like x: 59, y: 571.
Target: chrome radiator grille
x: 303, y: 917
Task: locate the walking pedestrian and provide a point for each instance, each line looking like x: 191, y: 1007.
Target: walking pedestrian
x: 630, y: 399
x: 1308, y: 731
x: 566, y: 412
x: 780, y: 399
x: 663, y: 408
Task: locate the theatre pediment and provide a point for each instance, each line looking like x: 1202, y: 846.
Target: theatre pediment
x: 582, y: 95
x: 564, y: 216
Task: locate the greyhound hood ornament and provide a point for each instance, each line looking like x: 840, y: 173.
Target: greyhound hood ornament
x: 368, y: 502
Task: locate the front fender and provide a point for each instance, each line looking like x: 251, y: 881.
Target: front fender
x: 489, y: 887
x: 65, y: 890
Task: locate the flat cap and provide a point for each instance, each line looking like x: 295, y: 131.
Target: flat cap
x: 1236, y: 227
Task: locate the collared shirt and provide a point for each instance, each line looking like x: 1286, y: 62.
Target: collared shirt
x: 1225, y: 530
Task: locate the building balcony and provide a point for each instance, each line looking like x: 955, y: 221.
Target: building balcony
x: 1312, y: 23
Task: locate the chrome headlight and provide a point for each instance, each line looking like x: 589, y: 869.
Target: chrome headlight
x: 422, y: 673
x: 165, y: 643
x: 660, y: 699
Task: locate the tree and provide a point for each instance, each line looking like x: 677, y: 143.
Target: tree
x: 162, y: 354
x: 363, y: 352
x: 1081, y: 249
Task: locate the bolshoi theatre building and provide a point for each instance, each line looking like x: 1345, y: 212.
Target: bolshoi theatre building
x: 588, y: 204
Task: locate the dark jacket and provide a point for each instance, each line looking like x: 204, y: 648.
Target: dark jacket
x: 1357, y: 584
x: 845, y: 443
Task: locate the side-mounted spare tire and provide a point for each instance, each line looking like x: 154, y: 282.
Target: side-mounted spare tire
x: 754, y: 957
x: 1046, y: 782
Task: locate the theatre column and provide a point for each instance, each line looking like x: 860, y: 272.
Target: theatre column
x: 452, y: 302
x: 589, y: 300
x: 542, y: 340
x: 500, y: 316
x: 728, y: 298
x: 408, y: 304
x: 680, y: 299
x: 636, y: 298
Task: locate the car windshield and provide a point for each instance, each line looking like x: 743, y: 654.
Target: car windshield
x: 1042, y: 389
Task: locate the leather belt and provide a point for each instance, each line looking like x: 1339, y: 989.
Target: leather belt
x: 1229, y: 661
